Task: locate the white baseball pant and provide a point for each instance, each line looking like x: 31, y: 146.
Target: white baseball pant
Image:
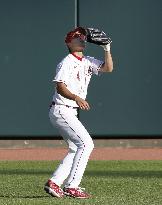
x: 71, y: 169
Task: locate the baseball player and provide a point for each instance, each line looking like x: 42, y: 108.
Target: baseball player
x: 73, y: 75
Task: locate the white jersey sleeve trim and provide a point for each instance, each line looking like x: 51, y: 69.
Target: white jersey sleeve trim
x: 62, y: 73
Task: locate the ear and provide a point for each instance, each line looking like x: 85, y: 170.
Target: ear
x: 69, y: 48
x: 68, y: 44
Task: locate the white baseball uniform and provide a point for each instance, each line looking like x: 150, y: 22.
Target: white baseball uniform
x: 76, y: 74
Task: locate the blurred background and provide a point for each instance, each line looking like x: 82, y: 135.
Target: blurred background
x: 125, y: 103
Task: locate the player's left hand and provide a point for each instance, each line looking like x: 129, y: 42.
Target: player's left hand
x: 106, y: 47
x: 97, y: 37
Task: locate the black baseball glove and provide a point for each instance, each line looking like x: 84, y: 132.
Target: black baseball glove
x: 97, y: 37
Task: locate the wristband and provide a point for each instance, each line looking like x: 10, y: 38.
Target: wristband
x: 106, y: 47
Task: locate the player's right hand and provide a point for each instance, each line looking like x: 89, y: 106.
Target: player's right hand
x: 82, y: 103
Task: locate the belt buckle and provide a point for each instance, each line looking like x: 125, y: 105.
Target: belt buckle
x: 71, y: 107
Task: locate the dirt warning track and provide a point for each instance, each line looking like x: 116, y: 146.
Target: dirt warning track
x: 99, y: 153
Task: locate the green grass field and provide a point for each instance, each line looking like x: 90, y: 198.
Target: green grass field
x: 110, y: 183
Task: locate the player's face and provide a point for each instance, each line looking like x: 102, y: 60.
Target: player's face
x: 77, y: 44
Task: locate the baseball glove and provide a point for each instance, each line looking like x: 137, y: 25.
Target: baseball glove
x: 97, y: 37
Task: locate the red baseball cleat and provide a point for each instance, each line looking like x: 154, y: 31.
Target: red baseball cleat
x: 76, y: 193
x: 53, y: 189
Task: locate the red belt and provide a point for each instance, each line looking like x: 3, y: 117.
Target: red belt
x: 53, y: 103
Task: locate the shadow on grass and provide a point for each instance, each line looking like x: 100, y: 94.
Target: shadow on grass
x: 115, y: 174
x: 24, y: 197
x: 92, y: 173
x: 24, y: 172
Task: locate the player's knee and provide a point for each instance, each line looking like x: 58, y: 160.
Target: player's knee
x: 73, y: 149
x: 86, y: 144
x: 89, y: 145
